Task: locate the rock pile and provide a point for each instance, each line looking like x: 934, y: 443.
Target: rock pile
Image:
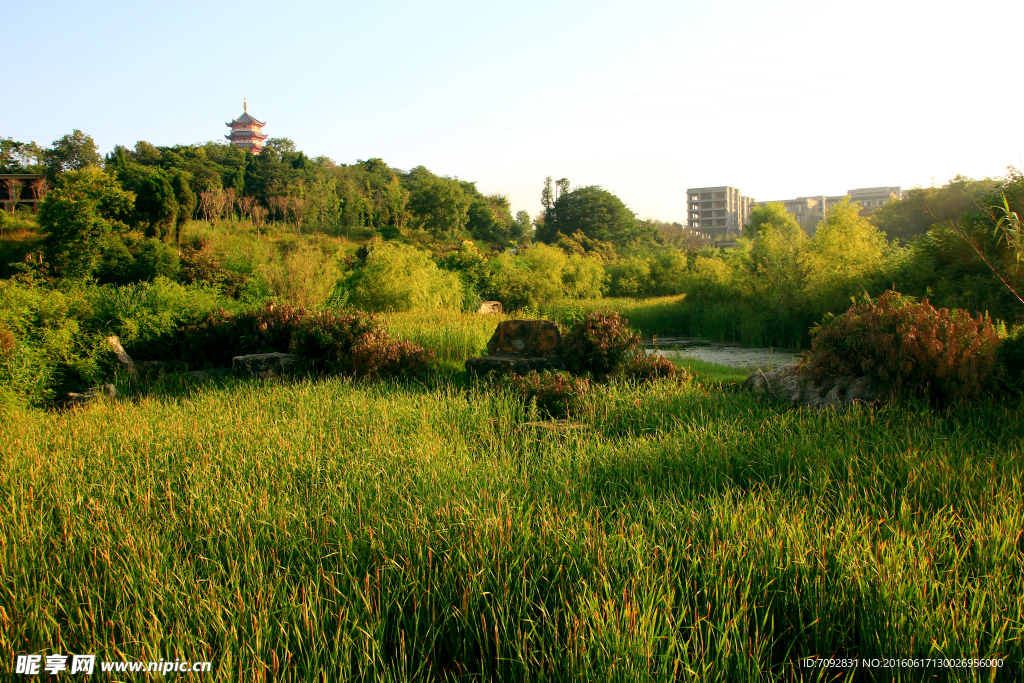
x: 257, y: 365
x: 519, y: 346
x: 795, y: 386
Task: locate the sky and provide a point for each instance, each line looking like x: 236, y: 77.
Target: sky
x: 779, y: 99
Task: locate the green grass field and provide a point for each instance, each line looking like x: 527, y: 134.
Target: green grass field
x: 333, y: 530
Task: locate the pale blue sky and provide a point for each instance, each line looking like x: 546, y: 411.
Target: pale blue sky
x: 647, y: 98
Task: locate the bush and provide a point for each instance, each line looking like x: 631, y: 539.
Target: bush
x: 398, y: 277
x: 1011, y: 356
x: 328, y: 339
x: 555, y: 392
x: 376, y: 355
x: 51, y: 348
x: 199, y: 266
x: 642, y: 367
x: 939, y: 354
x: 599, y: 344
x: 630, y: 277
x: 305, y: 276
x: 329, y: 342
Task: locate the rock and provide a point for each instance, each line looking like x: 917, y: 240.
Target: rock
x: 525, y: 338
x: 489, y: 307
x: 73, y: 400
x: 211, y: 373
x: 793, y: 385
x: 122, y: 356
x: 266, y: 365
x: 158, y: 368
x: 508, y: 364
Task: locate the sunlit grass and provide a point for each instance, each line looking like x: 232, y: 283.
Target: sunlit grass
x: 451, y: 335
x: 340, y: 530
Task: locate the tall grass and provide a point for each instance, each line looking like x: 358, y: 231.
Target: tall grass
x: 335, y: 530
x: 451, y: 335
x: 737, y: 321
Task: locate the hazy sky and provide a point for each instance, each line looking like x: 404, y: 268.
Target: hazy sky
x: 646, y: 99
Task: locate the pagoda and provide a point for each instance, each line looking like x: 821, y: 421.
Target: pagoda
x: 247, y: 132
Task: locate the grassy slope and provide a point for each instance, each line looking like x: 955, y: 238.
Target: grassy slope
x: 336, y: 527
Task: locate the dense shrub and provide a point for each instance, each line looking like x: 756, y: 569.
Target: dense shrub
x: 146, y: 315
x: 599, y: 344
x: 328, y: 339
x: 644, y: 367
x: 555, y: 392
x: 1011, y: 356
x: 398, y: 277
x: 51, y: 346
x: 377, y: 355
x: 200, y: 266
x: 908, y: 346
x: 304, y: 276
x: 334, y: 343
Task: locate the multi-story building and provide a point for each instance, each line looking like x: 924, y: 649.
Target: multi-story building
x: 807, y: 211
x: 717, y: 211
x: 870, y: 198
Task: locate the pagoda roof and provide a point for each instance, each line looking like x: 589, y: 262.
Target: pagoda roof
x: 245, y: 118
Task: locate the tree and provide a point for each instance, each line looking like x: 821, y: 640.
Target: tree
x: 907, y: 219
x: 561, y: 187
x: 595, y: 212
x: 523, y: 227
x: 778, y: 243
x: 73, y: 152
x: 155, y: 201
x: 439, y: 205
x: 279, y: 145
x: 259, y: 216
x: 547, y: 196
x: 19, y: 157
x: 845, y: 253
x: 78, y: 216
x: 186, y: 199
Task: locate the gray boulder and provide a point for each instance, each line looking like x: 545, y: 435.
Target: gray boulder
x: 159, y: 368
x: 795, y: 386
x: 74, y: 400
x: 208, y: 374
x: 266, y: 365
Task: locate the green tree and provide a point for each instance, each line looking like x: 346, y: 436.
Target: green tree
x: 778, y: 243
x: 78, y: 216
x: 596, y: 213
x: 20, y: 157
x: 439, y: 205
x: 920, y: 208
x: 73, y: 152
x: 523, y: 227
x: 155, y: 201
x: 843, y: 257
x: 186, y: 199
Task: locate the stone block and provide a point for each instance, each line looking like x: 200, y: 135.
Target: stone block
x: 539, y: 338
x: 508, y: 364
x: 266, y: 365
